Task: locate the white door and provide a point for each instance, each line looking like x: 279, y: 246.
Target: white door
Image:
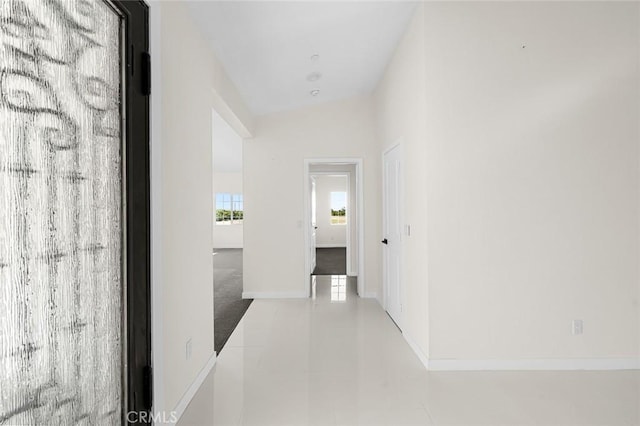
x: 392, y: 236
x: 314, y: 225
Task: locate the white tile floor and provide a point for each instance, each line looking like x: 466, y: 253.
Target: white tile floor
x: 314, y: 362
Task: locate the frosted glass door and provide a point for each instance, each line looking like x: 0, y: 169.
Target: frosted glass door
x: 61, y: 213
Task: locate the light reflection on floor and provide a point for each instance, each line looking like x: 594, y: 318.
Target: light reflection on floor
x: 334, y: 288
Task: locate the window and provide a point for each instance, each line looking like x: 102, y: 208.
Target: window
x: 338, y: 208
x: 229, y: 209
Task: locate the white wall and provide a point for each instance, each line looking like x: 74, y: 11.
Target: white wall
x: 328, y: 235
x: 537, y: 193
x: 227, y: 236
x: 274, y: 166
x: 182, y: 198
x: 400, y: 116
x: 530, y: 149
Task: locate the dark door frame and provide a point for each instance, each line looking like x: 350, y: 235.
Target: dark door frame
x: 137, y: 329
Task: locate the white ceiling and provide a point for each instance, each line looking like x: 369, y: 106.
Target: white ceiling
x: 266, y: 47
x: 227, y: 147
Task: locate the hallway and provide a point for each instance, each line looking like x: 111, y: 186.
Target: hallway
x: 318, y: 362
x: 469, y: 170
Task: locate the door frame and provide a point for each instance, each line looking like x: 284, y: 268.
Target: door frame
x: 385, y: 285
x: 313, y: 226
x: 137, y: 380
x: 306, y: 222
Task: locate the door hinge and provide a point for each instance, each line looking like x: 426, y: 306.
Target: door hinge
x: 148, y: 387
x: 146, y: 73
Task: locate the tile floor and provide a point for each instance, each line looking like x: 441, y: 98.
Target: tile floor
x: 343, y: 362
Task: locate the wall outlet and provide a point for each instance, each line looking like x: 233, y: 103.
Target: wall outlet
x: 187, y: 349
x: 576, y: 327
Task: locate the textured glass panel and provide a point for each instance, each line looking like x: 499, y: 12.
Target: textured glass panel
x: 60, y: 213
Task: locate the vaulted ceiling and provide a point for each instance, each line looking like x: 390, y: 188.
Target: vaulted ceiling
x: 278, y: 53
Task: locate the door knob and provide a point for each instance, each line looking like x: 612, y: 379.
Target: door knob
x: 384, y: 241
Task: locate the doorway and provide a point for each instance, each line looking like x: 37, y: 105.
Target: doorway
x: 333, y: 220
x: 228, y: 231
x: 74, y: 209
x: 392, y: 186
x: 330, y: 214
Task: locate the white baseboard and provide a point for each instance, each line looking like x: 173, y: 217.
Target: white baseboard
x: 331, y: 246
x: 190, y: 393
x: 534, y: 364
x: 274, y: 294
x: 379, y: 300
x: 416, y: 349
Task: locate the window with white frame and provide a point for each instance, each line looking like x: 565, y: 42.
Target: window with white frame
x: 339, y: 208
x: 229, y: 209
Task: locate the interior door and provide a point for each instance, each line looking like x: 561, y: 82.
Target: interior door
x: 392, y: 242
x: 314, y: 223
x: 74, y: 212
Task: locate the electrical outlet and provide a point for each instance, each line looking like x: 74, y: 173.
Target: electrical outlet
x: 576, y: 327
x: 188, y: 349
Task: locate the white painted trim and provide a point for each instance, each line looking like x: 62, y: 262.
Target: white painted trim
x: 379, y: 301
x: 360, y: 225
x: 155, y: 147
x: 534, y: 364
x: 349, y: 224
x: 416, y: 349
x: 331, y: 246
x: 274, y: 294
x: 193, y: 389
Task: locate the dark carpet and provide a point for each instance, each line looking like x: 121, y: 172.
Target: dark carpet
x: 228, y: 305
x: 331, y: 261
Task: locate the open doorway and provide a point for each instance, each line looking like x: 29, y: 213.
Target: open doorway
x: 330, y: 195
x: 228, y: 217
x: 333, y: 219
